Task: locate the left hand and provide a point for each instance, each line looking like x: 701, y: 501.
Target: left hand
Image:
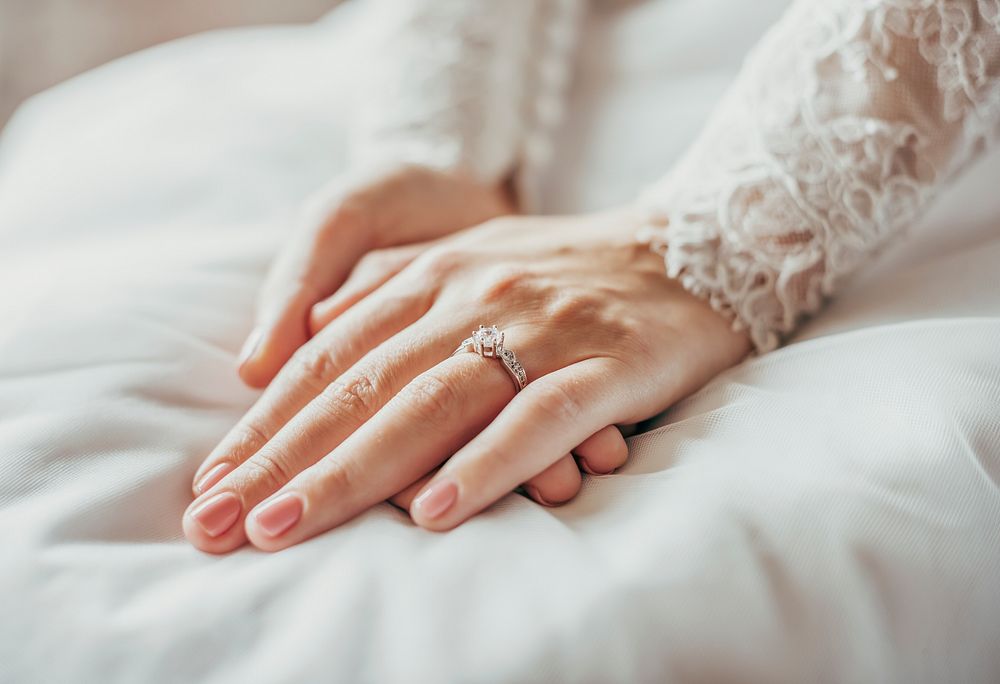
x: 374, y: 404
x: 356, y: 233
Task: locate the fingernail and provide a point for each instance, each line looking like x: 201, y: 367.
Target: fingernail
x: 533, y: 491
x: 586, y: 467
x: 217, y: 513
x: 250, y: 346
x: 436, y: 500
x: 277, y: 516
x: 212, y: 477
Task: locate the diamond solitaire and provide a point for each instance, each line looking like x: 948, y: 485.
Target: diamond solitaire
x: 488, y: 343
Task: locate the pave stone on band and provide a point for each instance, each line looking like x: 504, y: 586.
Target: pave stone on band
x: 488, y: 343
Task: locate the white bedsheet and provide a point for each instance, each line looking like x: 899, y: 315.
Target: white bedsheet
x: 830, y: 512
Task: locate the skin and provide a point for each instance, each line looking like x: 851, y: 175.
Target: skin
x: 374, y: 407
x: 357, y: 234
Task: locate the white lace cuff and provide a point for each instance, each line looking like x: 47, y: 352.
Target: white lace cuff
x: 845, y: 122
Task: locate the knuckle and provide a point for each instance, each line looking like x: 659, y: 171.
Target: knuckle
x: 316, y: 367
x: 440, y: 262
x: 252, y: 439
x: 631, y: 326
x: 356, y: 397
x: 493, y: 459
x: 502, y: 281
x: 572, y: 307
x: 377, y: 261
x: 434, y: 398
x: 268, y: 470
x: 338, y: 477
x: 499, y: 224
x: 556, y: 403
x: 348, y: 214
x: 628, y: 335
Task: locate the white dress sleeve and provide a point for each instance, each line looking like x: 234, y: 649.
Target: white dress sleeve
x: 468, y: 85
x: 845, y: 122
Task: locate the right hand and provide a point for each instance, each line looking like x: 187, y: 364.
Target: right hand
x: 356, y: 234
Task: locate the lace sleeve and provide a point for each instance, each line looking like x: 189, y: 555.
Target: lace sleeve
x: 843, y: 125
x: 474, y: 85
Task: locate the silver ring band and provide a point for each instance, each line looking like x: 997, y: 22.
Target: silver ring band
x: 488, y: 343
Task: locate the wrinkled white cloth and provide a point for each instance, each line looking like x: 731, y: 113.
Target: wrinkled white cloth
x: 827, y: 512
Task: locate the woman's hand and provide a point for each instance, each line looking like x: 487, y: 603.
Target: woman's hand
x: 375, y: 402
x: 324, y: 269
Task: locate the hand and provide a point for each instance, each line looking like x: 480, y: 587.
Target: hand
x: 324, y: 269
x: 375, y: 406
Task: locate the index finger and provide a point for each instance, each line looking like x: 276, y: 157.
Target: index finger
x: 335, y: 349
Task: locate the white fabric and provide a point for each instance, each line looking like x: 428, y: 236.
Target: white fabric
x: 827, y: 512
x: 473, y: 85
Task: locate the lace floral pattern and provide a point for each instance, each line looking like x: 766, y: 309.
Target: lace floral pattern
x: 843, y: 125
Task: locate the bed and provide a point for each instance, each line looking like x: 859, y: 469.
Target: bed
x: 826, y: 512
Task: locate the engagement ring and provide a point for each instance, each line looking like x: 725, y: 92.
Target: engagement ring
x: 488, y: 343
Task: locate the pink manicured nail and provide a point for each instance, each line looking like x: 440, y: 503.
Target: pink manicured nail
x: 212, y: 477
x: 277, y: 516
x: 250, y: 346
x: 436, y: 500
x: 217, y: 513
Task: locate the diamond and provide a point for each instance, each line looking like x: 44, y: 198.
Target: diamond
x: 488, y: 341
x: 486, y: 335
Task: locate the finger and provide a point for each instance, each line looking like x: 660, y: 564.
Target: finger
x: 308, y: 269
x: 370, y: 273
x: 557, y: 484
x: 416, y: 431
x: 403, y: 499
x: 320, y: 427
x: 545, y: 421
x: 313, y: 368
x: 602, y: 452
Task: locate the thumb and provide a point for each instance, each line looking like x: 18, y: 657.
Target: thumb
x: 309, y: 269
